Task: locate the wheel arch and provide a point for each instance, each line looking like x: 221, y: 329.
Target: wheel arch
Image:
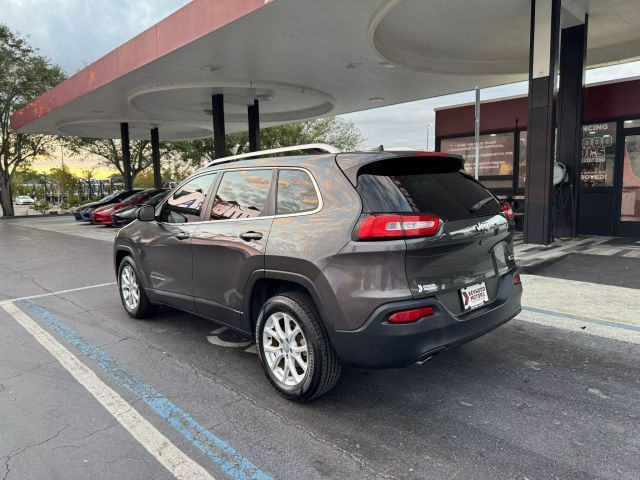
x: 263, y: 285
x: 120, y: 252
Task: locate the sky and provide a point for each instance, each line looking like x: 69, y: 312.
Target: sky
x: 73, y: 33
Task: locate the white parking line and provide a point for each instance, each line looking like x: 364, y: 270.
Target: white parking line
x: 59, y: 292
x: 171, y: 457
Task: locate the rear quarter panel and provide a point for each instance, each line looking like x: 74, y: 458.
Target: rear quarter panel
x: 305, y: 244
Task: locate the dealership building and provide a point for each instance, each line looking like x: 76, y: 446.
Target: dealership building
x: 597, y: 192
x: 222, y: 66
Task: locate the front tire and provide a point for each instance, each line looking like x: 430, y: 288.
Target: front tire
x: 294, y: 349
x: 134, y: 299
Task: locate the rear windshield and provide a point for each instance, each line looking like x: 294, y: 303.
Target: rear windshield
x: 135, y: 196
x: 156, y: 198
x: 124, y: 194
x: 450, y: 195
x: 111, y: 196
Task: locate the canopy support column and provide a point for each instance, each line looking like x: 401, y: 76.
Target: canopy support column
x: 573, y: 59
x: 253, y: 112
x: 543, y: 70
x: 126, y: 156
x: 219, y: 139
x: 155, y: 157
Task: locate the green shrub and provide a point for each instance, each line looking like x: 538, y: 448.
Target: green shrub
x: 41, y: 206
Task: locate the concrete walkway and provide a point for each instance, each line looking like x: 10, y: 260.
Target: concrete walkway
x: 531, y: 257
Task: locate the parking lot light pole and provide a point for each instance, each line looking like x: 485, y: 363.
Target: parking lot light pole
x: 126, y: 156
x: 219, y: 140
x: 155, y: 157
x: 254, y: 126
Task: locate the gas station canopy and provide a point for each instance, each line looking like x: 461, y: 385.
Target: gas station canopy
x: 306, y: 58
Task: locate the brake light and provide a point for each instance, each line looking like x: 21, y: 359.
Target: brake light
x: 507, y: 210
x: 410, y: 316
x: 398, y: 226
x: 516, y: 279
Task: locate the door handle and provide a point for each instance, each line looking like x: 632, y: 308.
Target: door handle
x: 182, y: 236
x: 248, y: 236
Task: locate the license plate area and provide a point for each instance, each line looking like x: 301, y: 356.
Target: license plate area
x: 474, y: 296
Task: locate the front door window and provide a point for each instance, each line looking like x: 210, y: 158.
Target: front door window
x: 184, y: 205
x: 630, y: 204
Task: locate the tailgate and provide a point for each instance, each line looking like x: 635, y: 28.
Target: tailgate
x: 467, y: 252
x: 473, y: 240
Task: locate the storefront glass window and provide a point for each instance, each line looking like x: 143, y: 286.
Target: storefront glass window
x: 522, y: 155
x: 496, y: 153
x: 598, y: 154
x: 630, y: 205
x: 631, y: 123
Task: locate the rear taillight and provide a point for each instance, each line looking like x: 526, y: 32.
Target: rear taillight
x: 507, y: 210
x: 516, y: 279
x: 410, y: 316
x: 398, y: 226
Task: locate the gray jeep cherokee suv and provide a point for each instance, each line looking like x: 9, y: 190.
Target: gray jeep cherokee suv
x: 374, y: 260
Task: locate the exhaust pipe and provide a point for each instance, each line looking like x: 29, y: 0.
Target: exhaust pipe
x: 430, y: 355
x: 424, y: 360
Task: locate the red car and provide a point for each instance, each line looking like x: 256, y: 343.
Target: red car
x: 104, y: 215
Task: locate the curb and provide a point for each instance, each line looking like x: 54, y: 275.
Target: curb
x: 37, y: 216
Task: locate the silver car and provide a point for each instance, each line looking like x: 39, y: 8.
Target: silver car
x: 24, y: 200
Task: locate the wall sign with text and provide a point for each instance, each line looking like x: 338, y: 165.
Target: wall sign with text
x: 496, y: 153
x: 598, y: 154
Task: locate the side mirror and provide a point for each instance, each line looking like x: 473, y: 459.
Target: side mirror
x: 146, y: 213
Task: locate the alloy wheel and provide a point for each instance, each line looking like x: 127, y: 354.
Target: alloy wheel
x: 285, y: 349
x: 129, y: 287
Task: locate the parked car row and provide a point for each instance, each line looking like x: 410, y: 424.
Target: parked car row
x: 118, y: 209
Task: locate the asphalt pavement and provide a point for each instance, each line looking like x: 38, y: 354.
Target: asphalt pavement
x: 551, y: 394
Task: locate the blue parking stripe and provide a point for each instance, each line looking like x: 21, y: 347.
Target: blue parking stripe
x: 597, y: 321
x: 229, y: 460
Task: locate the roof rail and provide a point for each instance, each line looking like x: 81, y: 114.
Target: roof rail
x: 312, y: 148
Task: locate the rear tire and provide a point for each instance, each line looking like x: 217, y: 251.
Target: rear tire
x: 294, y: 349
x: 134, y: 298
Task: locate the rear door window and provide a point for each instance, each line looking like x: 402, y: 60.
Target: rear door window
x: 296, y: 193
x: 242, y: 194
x: 450, y: 195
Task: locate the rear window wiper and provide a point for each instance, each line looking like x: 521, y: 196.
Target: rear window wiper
x: 480, y: 204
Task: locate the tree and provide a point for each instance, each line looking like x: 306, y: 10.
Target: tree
x: 341, y: 133
x: 63, y: 182
x: 144, y: 179
x: 24, y: 76
x: 110, y: 151
x: 28, y: 182
x: 88, y: 173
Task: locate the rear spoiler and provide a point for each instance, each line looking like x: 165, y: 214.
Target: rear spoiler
x: 397, y: 163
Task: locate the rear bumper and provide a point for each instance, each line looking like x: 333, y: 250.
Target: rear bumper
x: 378, y: 344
